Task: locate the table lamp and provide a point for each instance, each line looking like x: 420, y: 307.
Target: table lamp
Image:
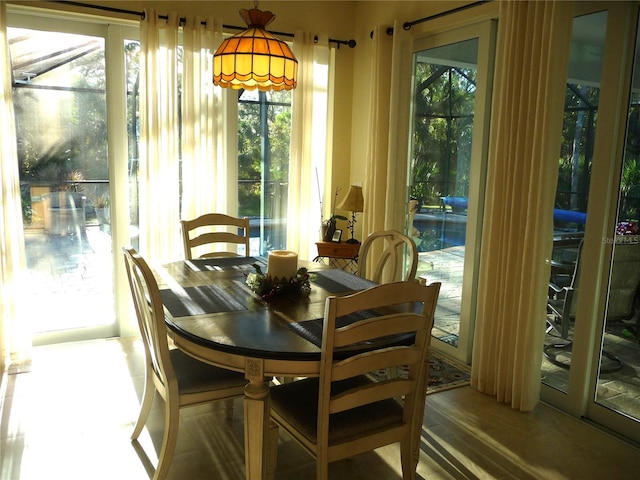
x: 354, y: 201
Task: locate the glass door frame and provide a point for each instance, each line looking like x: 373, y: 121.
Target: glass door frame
x: 114, y: 33
x: 601, y: 217
x: 485, y: 31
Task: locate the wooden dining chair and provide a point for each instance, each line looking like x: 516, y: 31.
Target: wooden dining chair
x: 397, y: 250
x: 346, y: 411
x: 211, y: 229
x: 179, y: 379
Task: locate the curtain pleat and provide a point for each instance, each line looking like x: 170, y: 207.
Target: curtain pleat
x: 376, y: 173
x: 310, y: 150
x: 520, y: 191
x: 385, y: 187
x: 159, y: 150
x: 204, y: 169
x: 15, y: 335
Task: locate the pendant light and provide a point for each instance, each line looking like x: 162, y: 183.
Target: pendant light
x: 254, y: 58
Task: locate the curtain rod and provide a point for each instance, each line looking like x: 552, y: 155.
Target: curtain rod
x: 351, y: 43
x: 408, y: 25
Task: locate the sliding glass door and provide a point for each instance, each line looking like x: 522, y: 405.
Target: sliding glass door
x: 615, y: 401
x: 590, y: 366
x: 450, y: 110
x: 60, y: 86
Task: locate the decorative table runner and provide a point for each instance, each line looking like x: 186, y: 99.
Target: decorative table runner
x: 205, y: 299
x: 225, y: 263
x: 311, y: 330
x: 335, y: 281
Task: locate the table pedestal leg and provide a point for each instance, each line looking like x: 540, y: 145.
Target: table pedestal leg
x: 260, y: 433
x: 272, y: 450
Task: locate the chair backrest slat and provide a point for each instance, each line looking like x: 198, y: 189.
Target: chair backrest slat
x: 392, y: 250
x: 365, y: 395
x: 211, y: 229
x: 372, y: 361
x: 403, y: 308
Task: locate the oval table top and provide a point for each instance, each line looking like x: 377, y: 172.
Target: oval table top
x: 213, y: 315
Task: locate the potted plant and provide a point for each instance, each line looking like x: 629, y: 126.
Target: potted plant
x: 101, y: 204
x: 329, y: 225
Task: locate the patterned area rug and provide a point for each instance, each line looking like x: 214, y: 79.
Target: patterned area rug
x: 445, y: 373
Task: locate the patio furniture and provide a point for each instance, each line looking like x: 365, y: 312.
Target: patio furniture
x: 624, y: 284
x: 64, y: 213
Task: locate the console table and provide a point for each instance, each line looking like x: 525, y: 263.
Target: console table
x: 341, y: 255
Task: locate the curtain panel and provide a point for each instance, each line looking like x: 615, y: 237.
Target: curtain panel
x: 15, y: 335
x: 310, y: 142
x: 159, y: 155
x: 204, y: 170
x: 521, y: 181
x: 183, y: 166
x: 385, y: 188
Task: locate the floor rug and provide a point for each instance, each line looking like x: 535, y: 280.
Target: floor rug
x: 445, y: 374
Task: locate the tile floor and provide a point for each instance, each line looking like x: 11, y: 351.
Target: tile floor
x: 71, y: 415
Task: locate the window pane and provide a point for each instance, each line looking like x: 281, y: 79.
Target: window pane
x: 264, y: 126
x: 572, y: 193
x: 444, y: 99
x: 60, y: 110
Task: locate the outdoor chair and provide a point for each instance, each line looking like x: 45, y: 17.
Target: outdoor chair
x: 396, y: 251
x: 624, y: 283
x: 211, y: 229
x: 346, y: 411
x: 179, y: 379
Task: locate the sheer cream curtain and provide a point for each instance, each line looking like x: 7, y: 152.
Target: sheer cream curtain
x: 521, y: 182
x: 204, y: 167
x: 385, y: 187
x: 159, y: 155
x: 310, y: 142
x: 15, y: 337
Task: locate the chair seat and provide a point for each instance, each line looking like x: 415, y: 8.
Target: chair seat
x: 297, y: 403
x: 196, y: 377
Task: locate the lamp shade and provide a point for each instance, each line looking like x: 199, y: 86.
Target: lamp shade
x: 254, y: 58
x: 354, y: 201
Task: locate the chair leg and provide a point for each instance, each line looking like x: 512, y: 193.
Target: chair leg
x: 322, y: 469
x: 228, y: 408
x: 408, y: 460
x: 169, y: 440
x: 551, y: 351
x: 145, y: 407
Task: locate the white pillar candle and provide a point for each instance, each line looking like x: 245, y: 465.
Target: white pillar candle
x: 282, y: 264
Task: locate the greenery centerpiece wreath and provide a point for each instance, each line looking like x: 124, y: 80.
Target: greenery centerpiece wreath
x: 267, y: 286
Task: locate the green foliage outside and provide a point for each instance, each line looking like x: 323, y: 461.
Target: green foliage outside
x: 443, y: 124
x: 264, y: 126
x: 63, y: 149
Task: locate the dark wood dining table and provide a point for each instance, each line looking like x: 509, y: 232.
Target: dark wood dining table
x: 214, y: 316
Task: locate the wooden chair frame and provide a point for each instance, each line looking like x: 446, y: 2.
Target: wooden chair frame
x: 365, y: 413
x: 393, y: 256
x: 179, y: 379
x: 207, y: 229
